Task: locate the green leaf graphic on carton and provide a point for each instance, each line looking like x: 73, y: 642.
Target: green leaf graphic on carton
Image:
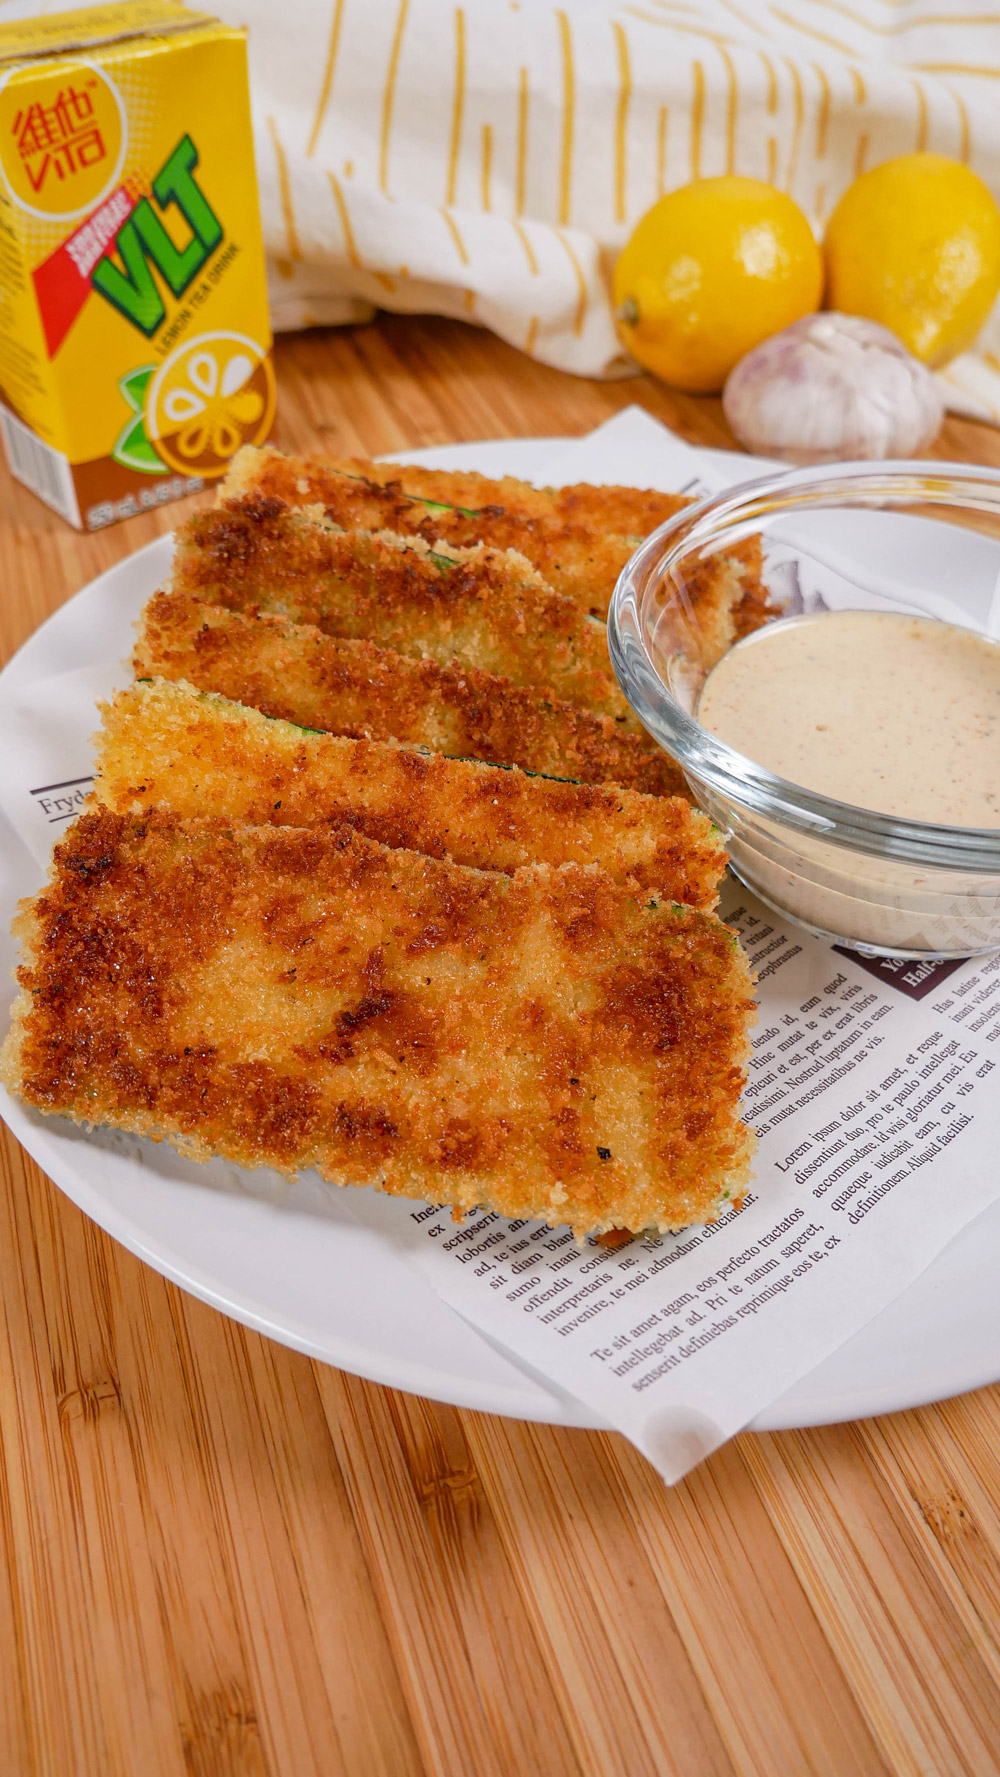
x: 132, y: 448
x: 134, y: 385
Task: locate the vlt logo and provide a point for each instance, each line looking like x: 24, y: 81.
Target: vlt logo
x: 63, y: 136
x: 143, y: 244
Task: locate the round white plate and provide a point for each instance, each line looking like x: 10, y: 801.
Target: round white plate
x: 293, y: 1262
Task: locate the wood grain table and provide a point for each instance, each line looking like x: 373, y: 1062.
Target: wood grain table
x: 220, y: 1559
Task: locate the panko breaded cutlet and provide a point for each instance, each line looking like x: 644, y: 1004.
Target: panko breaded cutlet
x: 354, y: 688
x: 579, y: 538
x: 164, y: 745
x: 486, y: 607
x: 549, y: 1044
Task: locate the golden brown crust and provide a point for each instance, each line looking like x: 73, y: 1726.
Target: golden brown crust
x: 549, y: 1044
x: 626, y: 511
x: 579, y: 538
x: 623, y: 511
x: 486, y: 607
x: 193, y: 754
x: 352, y: 687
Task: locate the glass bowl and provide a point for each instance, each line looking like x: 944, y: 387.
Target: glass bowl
x: 906, y: 536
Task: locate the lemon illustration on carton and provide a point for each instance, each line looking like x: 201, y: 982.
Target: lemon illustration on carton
x: 212, y: 395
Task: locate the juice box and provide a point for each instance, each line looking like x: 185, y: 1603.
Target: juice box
x: 135, y: 346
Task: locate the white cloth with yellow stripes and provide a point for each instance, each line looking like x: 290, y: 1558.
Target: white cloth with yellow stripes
x: 488, y: 159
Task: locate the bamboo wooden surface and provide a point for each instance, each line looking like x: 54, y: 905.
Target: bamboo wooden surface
x: 220, y: 1559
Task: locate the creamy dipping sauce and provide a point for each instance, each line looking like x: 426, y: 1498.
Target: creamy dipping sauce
x: 896, y: 714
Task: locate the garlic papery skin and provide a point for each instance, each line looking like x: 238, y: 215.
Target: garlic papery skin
x: 831, y: 388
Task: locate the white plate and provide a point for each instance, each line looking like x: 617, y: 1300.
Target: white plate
x: 294, y: 1263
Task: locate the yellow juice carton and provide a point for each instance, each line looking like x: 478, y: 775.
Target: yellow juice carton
x: 135, y: 347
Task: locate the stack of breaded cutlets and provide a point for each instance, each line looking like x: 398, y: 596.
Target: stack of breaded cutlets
x: 381, y: 874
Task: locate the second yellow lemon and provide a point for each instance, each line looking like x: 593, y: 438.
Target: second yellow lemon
x: 709, y: 272
x: 915, y: 244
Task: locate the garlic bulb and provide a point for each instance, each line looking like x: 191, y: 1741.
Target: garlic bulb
x: 832, y: 387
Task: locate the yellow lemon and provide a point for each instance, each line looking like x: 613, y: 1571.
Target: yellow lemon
x: 710, y: 271
x: 915, y: 244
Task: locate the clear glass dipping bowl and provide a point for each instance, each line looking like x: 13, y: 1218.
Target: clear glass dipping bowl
x: 906, y: 536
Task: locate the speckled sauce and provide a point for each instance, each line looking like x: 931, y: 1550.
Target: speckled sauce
x: 888, y: 712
